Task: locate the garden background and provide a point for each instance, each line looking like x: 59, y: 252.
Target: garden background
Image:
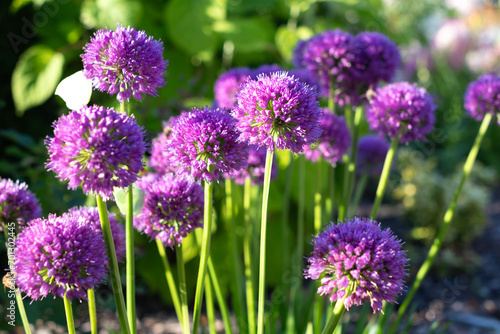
x: 444, y: 45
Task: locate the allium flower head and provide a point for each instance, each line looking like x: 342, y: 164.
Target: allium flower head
x: 203, y: 138
x: 333, y: 57
x: 483, y: 96
x: 97, y: 148
x: 278, y: 112
x: 402, y: 110
x: 228, y: 84
x: 173, y: 207
x: 357, y: 260
x: 17, y: 203
x: 59, y: 255
x: 159, y: 159
x: 372, y: 150
x: 380, y: 57
x: 256, y: 167
x: 306, y: 77
x: 334, y: 141
x: 125, y: 62
x: 298, y: 53
x: 91, y: 215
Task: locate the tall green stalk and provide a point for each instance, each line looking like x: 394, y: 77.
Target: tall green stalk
x: 172, y: 286
x: 247, y: 255
x: 92, y: 311
x: 22, y: 312
x: 384, y: 177
x: 263, y: 230
x: 69, y: 315
x: 438, y: 241
x: 335, y: 318
x: 220, y: 297
x: 209, y: 300
x: 182, y: 289
x: 205, y: 250
x: 351, y: 167
x: 318, y: 223
x: 114, y: 273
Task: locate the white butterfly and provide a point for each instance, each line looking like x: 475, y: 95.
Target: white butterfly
x: 75, y: 90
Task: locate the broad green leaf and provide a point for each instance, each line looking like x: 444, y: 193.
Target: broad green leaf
x: 35, y: 77
x: 121, y: 199
x: 247, y: 34
x: 96, y: 14
x: 189, y: 24
x: 286, y: 39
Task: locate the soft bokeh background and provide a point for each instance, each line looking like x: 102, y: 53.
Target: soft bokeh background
x: 444, y: 46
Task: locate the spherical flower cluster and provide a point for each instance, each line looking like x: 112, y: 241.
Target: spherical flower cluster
x: 173, y: 207
x: 125, y: 62
x: 159, y: 159
x: 372, y: 150
x: 334, y: 141
x: 357, y: 261
x: 483, y: 96
x: 298, y: 53
x: 91, y: 215
x: 59, y: 255
x: 402, y: 110
x: 379, y: 57
x: 204, y: 144
x: 278, y: 112
x: 228, y: 84
x: 256, y: 167
x: 17, y: 203
x: 97, y: 148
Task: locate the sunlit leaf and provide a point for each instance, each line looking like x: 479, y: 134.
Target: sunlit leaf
x: 121, y: 199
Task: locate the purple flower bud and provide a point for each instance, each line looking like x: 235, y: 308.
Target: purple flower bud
x: 483, y: 96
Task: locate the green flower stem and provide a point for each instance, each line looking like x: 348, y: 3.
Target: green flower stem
x: 220, y: 297
x: 263, y: 229
x: 172, y: 286
x: 339, y: 176
x: 351, y: 167
x: 329, y: 208
x: 209, y: 300
x: 335, y: 318
x: 384, y: 177
x: 22, y: 312
x: 318, y: 219
x: 114, y: 274
x: 436, y: 245
x: 92, y: 311
x: 130, y: 261
x: 69, y: 315
x: 331, y: 101
x: 182, y: 289
x: 205, y: 250
x: 285, y: 223
x: 360, y: 188
x: 318, y: 313
x: 236, y: 282
x: 247, y: 254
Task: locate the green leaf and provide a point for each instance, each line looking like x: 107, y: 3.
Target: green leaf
x: 122, y: 200
x: 96, y: 14
x: 247, y: 34
x: 189, y: 24
x: 286, y: 39
x: 35, y: 77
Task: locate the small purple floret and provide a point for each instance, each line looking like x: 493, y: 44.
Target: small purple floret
x: 334, y: 141
x: 60, y: 255
x: 278, y: 112
x: 360, y: 261
x: 125, y: 62
x: 483, y: 96
x: 97, y: 148
x: 173, y: 207
x: 402, y: 110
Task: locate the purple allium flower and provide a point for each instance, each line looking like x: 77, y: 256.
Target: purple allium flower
x: 204, y: 138
x: 59, y: 255
x: 125, y: 62
x: 159, y: 159
x: 379, y: 57
x: 357, y: 260
x: 306, y: 77
x: 334, y: 141
x: 228, y: 84
x: 173, y: 207
x: 256, y: 167
x: 332, y: 57
x: 278, y: 112
x: 91, y: 215
x: 372, y: 150
x: 483, y: 96
x: 402, y: 110
x: 17, y: 203
x: 97, y: 148
x: 298, y: 53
